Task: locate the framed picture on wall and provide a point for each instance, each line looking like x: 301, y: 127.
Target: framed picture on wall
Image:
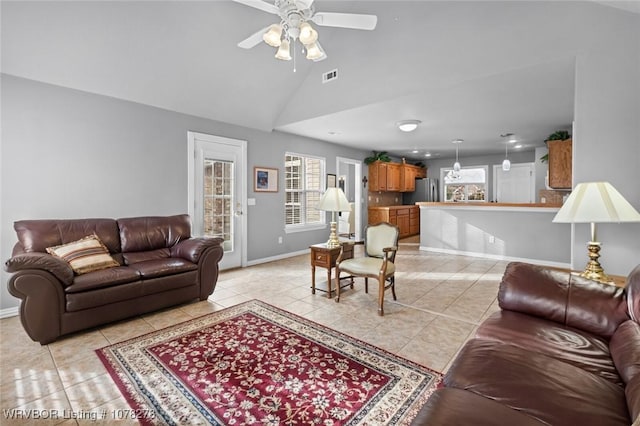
x: 331, y: 181
x: 265, y: 179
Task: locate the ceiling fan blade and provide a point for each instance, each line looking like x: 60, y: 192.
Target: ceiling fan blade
x: 304, y: 4
x: 345, y: 20
x: 259, y: 4
x: 253, y: 39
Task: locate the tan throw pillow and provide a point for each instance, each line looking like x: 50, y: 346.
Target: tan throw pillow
x: 85, y: 255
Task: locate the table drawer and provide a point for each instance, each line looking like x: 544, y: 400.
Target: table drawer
x: 322, y: 259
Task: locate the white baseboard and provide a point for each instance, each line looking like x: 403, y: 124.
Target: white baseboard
x: 497, y: 257
x: 278, y: 257
x: 9, y: 312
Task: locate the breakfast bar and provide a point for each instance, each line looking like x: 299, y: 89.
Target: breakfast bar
x: 502, y: 231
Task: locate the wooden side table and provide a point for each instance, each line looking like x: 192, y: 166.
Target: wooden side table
x: 325, y: 257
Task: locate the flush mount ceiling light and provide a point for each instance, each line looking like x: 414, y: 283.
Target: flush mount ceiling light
x: 408, y: 125
x: 295, y: 24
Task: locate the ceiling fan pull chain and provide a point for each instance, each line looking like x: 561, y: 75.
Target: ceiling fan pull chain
x: 294, y: 55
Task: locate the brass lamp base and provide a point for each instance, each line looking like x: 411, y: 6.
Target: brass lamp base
x: 333, y: 241
x: 594, y: 271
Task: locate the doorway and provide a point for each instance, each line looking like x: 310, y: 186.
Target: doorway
x: 349, y: 173
x: 217, y: 199
x: 518, y: 185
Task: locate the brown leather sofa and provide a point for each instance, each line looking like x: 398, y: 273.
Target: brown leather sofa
x: 160, y: 265
x: 563, y: 351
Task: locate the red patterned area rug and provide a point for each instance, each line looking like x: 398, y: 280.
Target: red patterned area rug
x: 256, y: 364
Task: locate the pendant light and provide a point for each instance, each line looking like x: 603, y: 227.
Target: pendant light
x: 506, y: 164
x: 509, y: 138
x: 456, y: 165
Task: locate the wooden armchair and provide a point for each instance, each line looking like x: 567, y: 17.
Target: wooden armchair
x: 381, y: 245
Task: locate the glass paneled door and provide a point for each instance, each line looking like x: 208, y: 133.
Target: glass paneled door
x: 218, y: 196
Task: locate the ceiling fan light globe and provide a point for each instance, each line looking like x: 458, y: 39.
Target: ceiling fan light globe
x: 273, y: 36
x: 283, y: 52
x: 313, y: 51
x: 307, y: 34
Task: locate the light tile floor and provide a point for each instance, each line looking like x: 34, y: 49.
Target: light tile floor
x: 441, y: 300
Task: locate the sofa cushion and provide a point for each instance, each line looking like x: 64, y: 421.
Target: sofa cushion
x: 451, y: 406
x: 152, y: 233
x: 103, y: 278
x: 141, y: 256
x: 103, y: 296
x: 37, y: 235
x: 577, y: 347
x: 553, y: 391
x: 563, y: 297
x: 85, y: 255
x: 162, y: 267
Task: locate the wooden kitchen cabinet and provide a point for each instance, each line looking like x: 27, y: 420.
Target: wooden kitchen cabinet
x: 408, y: 175
x: 394, y: 177
x: 560, y: 163
x: 406, y: 218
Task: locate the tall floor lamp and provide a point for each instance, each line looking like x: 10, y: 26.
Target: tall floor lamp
x: 334, y: 200
x: 596, y: 202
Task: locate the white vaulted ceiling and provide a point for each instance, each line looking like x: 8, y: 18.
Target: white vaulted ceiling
x: 469, y: 70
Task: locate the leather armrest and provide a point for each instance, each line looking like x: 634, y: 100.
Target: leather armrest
x: 563, y: 298
x: 192, y: 248
x: 44, y: 261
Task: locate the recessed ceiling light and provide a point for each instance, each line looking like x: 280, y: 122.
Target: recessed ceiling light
x: 428, y: 154
x: 408, y: 125
x: 415, y: 151
x: 518, y: 146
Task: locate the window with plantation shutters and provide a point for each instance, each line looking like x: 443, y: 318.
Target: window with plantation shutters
x: 304, y: 185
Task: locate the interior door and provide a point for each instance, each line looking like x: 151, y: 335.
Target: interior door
x: 218, y: 203
x: 516, y: 185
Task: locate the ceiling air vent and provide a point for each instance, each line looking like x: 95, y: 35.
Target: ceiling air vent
x: 329, y: 76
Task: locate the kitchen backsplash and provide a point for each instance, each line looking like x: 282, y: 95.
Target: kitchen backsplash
x: 382, y: 199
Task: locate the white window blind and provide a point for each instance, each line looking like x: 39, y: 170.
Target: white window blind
x: 303, y: 188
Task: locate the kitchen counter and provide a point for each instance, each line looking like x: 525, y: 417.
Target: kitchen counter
x: 502, y: 231
x: 502, y: 206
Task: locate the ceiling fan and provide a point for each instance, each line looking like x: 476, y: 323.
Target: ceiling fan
x: 295, y: 18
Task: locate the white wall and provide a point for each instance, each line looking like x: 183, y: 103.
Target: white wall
x: 607, y: 136
x: 71, y: 154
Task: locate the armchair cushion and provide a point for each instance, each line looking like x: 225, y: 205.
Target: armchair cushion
x: 85, y: 255
x: 366, y: 266
x: 35, y: 260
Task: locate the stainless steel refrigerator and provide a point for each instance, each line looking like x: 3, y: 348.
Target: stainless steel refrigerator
x: 426, y: 190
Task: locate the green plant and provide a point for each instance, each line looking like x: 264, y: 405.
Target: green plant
x: 558, y: 135
x: 377, y: 156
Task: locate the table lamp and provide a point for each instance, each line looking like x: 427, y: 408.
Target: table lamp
x: 334, y: 200
x: 596, y: 202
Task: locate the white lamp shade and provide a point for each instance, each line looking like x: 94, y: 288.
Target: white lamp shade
x: 283, y: 51
x: 596, y: 202
x: 506, y: 165
x: 307, y: 34
x: 334, y: 200
x: 272, y: 36
x: 456, y: 166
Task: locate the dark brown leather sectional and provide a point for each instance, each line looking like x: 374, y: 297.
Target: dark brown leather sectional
x: 563, y: 351
x: 160, y: 265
